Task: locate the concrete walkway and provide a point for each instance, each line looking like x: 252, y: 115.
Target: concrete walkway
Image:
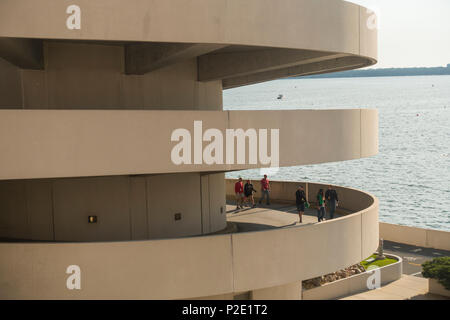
x: 265, y: 217
x: 406, y: 288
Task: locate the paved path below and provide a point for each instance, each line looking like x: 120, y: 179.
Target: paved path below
x: 413, y: 256
x: 406, y: 288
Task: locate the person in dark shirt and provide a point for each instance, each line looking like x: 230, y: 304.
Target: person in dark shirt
x: 332, y: 199
x: 248, y: 193
x: 300, y: 199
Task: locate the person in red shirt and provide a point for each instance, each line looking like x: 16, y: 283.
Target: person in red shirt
x: 265, y: 190
x: 239, y: 191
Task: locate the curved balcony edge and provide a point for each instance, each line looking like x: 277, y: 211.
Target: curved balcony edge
x: 192, y: 267
x: 82, y: 143
x: 295, y: 24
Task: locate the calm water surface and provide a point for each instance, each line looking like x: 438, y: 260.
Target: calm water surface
x: 411, y: 173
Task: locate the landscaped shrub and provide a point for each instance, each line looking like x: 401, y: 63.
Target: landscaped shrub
x: 439, y: 269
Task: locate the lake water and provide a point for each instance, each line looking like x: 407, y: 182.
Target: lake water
x: 411, y: 173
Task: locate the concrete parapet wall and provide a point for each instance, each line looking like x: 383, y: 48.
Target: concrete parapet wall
x: 67, y: 136
x: 269, y: 264
x: 354, y: 284
x: 435, y: 287
x: 284, y: 191
x: 427, y: 238
x: 290, y: 291
x: 286, y: 24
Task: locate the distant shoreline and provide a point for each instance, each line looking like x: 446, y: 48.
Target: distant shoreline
x: 383, y: 72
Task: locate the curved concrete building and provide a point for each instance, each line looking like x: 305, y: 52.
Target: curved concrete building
x: 114, y: 145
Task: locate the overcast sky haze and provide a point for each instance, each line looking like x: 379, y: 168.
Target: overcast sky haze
x: 412, y: 33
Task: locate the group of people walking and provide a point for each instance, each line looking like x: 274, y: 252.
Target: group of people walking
x: 244, y: 193
x: 330, y: 199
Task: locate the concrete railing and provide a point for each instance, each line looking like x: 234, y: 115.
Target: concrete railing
x: 190, y: 267
x: 427, y: 238
x: 356, y: 283
x: 65, y: 134
x: 204, y: 22
x: 350, y: 200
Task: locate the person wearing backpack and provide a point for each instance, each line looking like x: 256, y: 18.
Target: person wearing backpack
x: 332, y: 200
x: 248, y: 193
x: 300, y: 199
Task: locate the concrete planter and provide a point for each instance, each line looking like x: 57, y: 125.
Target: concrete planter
x: 435, y: 287
x: 354, y: 284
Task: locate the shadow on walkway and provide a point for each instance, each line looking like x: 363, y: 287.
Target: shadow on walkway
x: 428, y: 296
x: 248, y: 227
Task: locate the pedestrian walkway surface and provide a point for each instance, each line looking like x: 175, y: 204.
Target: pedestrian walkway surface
x: 264, y: 217
x: 406, y: 288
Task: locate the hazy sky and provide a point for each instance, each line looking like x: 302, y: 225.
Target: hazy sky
x: 412, y: 33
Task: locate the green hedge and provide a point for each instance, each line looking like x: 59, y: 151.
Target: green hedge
x: 439, y: 269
